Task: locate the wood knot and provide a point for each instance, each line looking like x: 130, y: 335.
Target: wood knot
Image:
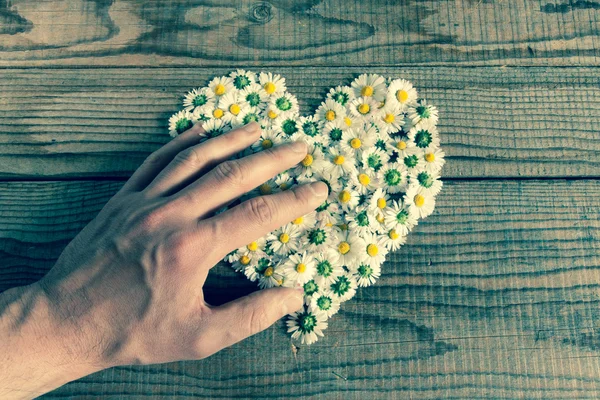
x: 261, y: 12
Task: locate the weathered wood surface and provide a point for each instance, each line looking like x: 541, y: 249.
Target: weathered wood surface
x: 495, y: 295
x: 495, y: 122
x: 319, y: 32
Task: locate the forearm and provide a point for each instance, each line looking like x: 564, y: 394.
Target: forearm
x: 35, y: 352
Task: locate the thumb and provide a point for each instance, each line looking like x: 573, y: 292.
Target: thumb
x: 248, y: 315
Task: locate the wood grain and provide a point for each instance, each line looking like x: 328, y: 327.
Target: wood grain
x: 319, y: 32
x: 495, y: 295
x: 495, y: 122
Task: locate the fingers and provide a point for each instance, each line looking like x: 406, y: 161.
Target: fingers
x: 260, y: 215
x: 161, y: 157
x: 190, y: 163
x: 231, y: 179
x: 248, y: 315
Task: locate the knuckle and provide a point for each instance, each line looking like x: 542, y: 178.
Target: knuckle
x: 230, y: 171
x: 260, y: 210
x: 153, y: 219
x: 153, y: 158
x: 189, y: 156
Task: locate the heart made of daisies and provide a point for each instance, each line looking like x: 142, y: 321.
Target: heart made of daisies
x: 374, y: 143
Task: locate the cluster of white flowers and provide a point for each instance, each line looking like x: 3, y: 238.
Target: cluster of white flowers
x: 374, y: 143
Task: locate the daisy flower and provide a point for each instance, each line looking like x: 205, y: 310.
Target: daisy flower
x: 400, y: 217
x: 310, y: 288
x: 330, y: 110
x: 241, y: 260
x: 272, y: 83
x: 247, y: 115
x: 391, y: 118
x: 402, y: 146
x: 430, y: 182
x: 374, y: 250
x: 341, y: 94
x: 340, y: 163
x: 401, y: 92
x: 364, y: 108
x: 268, y: 187
x: 284, y: 181
x: 198, y: 99
x: 393, y: 240
x: 365, y: 181
x: 318, y: 237
x: 242, y: 79
x: 325, y: 302
x: 360, y: 222
x: 268, y: 138
x: 344, y: 287
x: 221, y: 85
x: 367, y: 274
x: 393, y: 177
x: 312, y: 127
x: 425, y: 136
x: 285, y: 103
x: 306, y: 221
x: 370, y: 85
x: 333, y: 130
x: 380, y: 200
x: 232, y: 105
x: 348, y: 199
x: 374, y: 158
x: 285, y: 239
x: 423, y: 112
x: 288, y: 125
x: 180, y: 122
x: 328, y: 212
x: 267, y: 274
x: 355, y: 140
x: 299, y: 268
x: 433, y: 161
x: 307, y: 325
x: 419, y: 202
x: 348, y: 250
x: 254, y: 95
x: 312, y: 165
x: 412, y: 161
x: 215, y: 127
x: 327, y: 270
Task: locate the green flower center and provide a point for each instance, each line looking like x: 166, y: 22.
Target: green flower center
x: 392, y: 177
x: 253, y: 99
x: 362, y: 219
x: 262, y: 265
x: 289, y: 127
x: 306, y: 322
x: 341, y: 98
x: 310, y: 128
x: 324, y: 268
x: 336, y: 134
x: 425, y: 179
x: 374, y: 161
x: 283, y: 103
x: 341, y: 286
x: 423, y: 138
x: 402, y: 217
x: 317, y: 236
x: 241, y: 81
x: 411, y: 161
x: 324, y: 303
x: 380, y: 144
x: 200, y: 100
x: 323, y: 206
x: 215, y: 132
x: 310, y: 288
x: 423, y: 111
x: 250, y: 117
x: 365, y: 271
x: 183, y: 124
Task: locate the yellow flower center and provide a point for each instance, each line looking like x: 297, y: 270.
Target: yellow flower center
x: 244, y: 260
x: 364, y: 179
x: 338, y: 160
x: 300, y: 268
x: 329, y: 224
x: 380, y: 218
x: 284, y: 238
x: 272, y: 114
x: 367, y: 91
x: 284, y: 186
x: 429, y: 157
x: 419, y: 200
x: 355, y: 143
x: 268, y: 272
x: 372, y: 250
x: 344, y: 196
x: 401, y: 145
x: 220, y: 90
x: 266, y: 143
x: 298, y: 221
x: 234, y: 109
x: 279, y: 281
x: 265, y: 188
x: 344, y: 247
x: 381, y: 203
x: 308, y: 160
x: 218, y: 113
x: 269, y: 87
x: 364, y: 108
x: 348, y: 121
x: 402, y: 96
x: 389, y: 118
x: 252, y: 246
x: 330, y: 115
x: 393, y: 234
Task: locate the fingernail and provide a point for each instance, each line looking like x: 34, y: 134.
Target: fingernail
x: 299, y: 147
x: 293, y: 302
x: 319, y: 189
x: 251, y: 127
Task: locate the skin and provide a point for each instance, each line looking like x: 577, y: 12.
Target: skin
x: 129, y: 288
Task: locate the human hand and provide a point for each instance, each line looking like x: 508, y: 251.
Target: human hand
x: 128, y: 288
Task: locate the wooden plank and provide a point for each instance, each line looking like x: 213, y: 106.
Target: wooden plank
x: 495, y: 295
x: 324, y: 32
x: 496, y: 122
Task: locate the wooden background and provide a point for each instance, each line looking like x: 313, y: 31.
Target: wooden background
x: 496, y: 295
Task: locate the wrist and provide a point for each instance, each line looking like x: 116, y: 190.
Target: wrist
x: 38, y: 351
